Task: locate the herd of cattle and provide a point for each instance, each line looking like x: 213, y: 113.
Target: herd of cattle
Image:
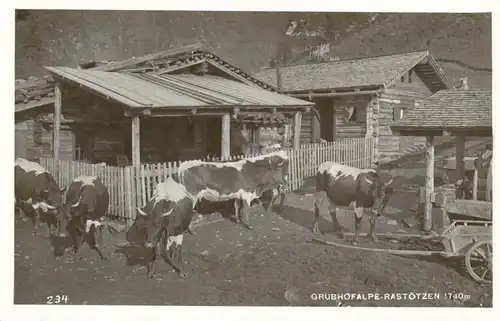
x: 162, y: 222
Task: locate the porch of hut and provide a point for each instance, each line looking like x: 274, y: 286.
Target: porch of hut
x: 158, y: 118
x: 458, y: 113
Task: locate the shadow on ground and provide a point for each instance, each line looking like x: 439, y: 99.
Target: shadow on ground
x: 134, y: 254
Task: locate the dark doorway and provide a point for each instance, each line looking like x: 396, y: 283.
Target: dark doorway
x: 214, y: 132
x: 325, y: 108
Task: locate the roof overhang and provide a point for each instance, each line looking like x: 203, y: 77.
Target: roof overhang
x: 168, y: 94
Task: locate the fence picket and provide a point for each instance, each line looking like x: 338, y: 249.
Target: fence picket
x: 130, y: 187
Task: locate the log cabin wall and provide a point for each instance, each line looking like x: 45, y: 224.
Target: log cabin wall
x: 405, y: 94
x: 306, y: 129
x: 44, y: 139
x: 25, y: 146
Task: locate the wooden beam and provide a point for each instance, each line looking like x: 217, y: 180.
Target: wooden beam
x: 136, y: 142
x: 475, y: 180
x: 226, y: 137
x: 255, y: 139
x: 115, y: 66
x: 315, y: 127
x: 337, y: 94
x: 297, y: 125
x: 402, y: 131
x: 459, y: 157
x: 57, y: 127
x: 429, y: 183
x: 170, y: 69
x: 90, y: 147
x: 220, y: 111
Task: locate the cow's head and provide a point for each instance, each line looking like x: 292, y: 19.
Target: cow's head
x: 273, y: 170
x: 149, y: 220
x: 52, y: 208
x: 379, y: 188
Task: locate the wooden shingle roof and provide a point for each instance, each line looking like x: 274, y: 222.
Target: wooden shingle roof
x: 360, y: 72
x: 450, y: 110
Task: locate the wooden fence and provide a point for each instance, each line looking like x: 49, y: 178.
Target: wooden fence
x: 130, y: 187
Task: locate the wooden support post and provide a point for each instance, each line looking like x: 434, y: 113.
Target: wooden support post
x: 459, y: 159
x: 334, y: 122
x: 57, y: 128
x: 475, y: 180
x: 255, y: 140
x: 136, y: 142
x: 226, y: 137
x: 89, y: 147
x: 429, y: 183
x: 315, y: 128
x: 297, y: 125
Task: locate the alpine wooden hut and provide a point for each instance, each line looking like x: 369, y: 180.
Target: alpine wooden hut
x: 171, y: 105
x: 362, y: 97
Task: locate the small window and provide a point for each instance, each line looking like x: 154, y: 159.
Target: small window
x: 398, y: 113
x: 358, y: 114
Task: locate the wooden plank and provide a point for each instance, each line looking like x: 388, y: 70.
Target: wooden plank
x: 460, y: 153
x: 121, y: 193
x: 475, y: 180
x: 429, y: 182
x: 472, y: 208
x: 57, y: 127
x: 297, y: 127
x: 226, y: 137
x: 114, y: 66
x: 136, y: 142
x: 128, y: 192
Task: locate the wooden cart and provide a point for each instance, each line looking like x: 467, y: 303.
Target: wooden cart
x: 469, y: 236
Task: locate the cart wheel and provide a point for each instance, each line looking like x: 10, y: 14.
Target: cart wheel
x: 479, y: 261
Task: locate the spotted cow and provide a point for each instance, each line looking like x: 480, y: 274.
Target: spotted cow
x: 245, y: 180
x: 87, y: 202
x: 165, y: 217
x: 348, y: 186
x: 37, y: 194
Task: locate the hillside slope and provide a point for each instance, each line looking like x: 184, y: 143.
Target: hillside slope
x: 248, y: 39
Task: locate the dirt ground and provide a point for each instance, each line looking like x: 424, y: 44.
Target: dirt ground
x: 229, y: 265
x: 273, y: 265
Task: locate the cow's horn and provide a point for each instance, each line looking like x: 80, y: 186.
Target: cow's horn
x: 50, y: 207
x: 168, y: 213
x: 368, y: 181
x: 141, y: 212
x: 77, y: 203
x: 388, y: 182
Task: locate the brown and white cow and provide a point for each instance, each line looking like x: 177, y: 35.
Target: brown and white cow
x: 348, y: 186
x: 37, y: 193
x: 245, y: 180
x: 165, y: 217
x: 87, y: 202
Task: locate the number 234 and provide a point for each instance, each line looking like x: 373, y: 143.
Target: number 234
x: 56, y: 299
